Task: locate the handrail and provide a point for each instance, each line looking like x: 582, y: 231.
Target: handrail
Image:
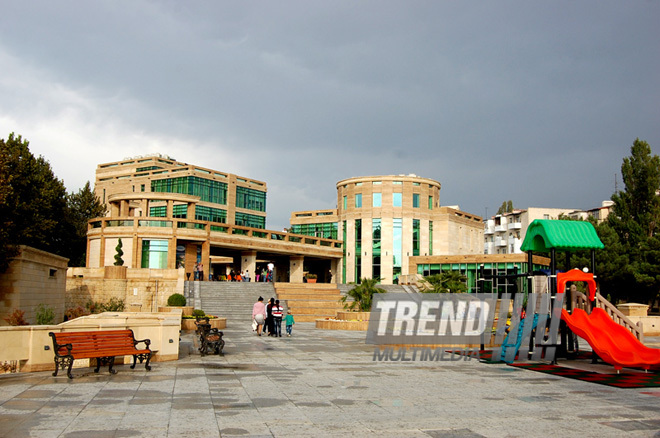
x: 581, y: 301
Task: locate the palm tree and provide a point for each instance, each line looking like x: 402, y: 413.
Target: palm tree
x: 446, y: 282
x: 362, y: 295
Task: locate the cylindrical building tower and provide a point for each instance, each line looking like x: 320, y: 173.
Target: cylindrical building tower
x: 383, y: 220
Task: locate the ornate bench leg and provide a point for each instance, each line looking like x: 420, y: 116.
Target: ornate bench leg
x: 110, y: 361
x: 141, y: 358
x: 63, y: 362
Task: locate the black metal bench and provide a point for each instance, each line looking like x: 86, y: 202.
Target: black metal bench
x: 210, y: 339
x: 102, y: 345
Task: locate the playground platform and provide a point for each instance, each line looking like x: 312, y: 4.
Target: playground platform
x: 319, y: 383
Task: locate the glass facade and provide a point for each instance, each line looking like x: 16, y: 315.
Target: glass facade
x: 154, y: 254
x: 397, y: 248
x: 208, y: 190
x: 250, y: 199
x: 378, y: 199
x: 358, y: 200
x: 210, y: 214
x: 250, y: 220
x: 375, y: 248
x: 415, y: 200
x: 325, y: 230
x: 430, y: 237
x: 492, y: 275
x: 397, y: 199
x: 358, y: 250
x: 160, y: 211
x: 343, y: 259
x: 416, y: 237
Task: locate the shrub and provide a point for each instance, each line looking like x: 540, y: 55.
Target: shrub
x: 311, y: 276
x: 45, y: 315
x: 113, y: 305
x: 198, y: 313
x: 17, y: 317
x: 75, y: 312
x: 176, y: 300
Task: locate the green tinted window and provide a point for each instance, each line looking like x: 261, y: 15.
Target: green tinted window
x: 208, y: 190
x: 250, y: 220
x: 250, y: 199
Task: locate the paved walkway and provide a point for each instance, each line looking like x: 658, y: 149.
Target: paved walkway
x: 318, y: 384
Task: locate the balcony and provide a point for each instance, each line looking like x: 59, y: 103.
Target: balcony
x: 500, y: 228
x: 515, y: 226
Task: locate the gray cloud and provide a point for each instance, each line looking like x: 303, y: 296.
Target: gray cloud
x: 537, y: 102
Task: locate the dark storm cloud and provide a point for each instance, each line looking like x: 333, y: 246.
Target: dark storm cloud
x: 537, y: 102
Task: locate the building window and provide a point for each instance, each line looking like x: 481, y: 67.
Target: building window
x: 160, y: 211
x: 250, y: 199
x: 358, y: 249
x: 210, y: 214
x: 345, y: 202
x: 415, y: 200
x: 397, y: 199
x: 154, y: 254
x: 430, y: 237
x: 208, y: 190
x: 415, y: 237
x: 142, y: 187
x: 325, y: 230
x: 378, y: 199
x: 343, y: 260
x: 397, y: 183
x: 397, y: 248
x: 375, y: 248
x: 430, y: 202
x: 250, y: 220
x: 358, y: 200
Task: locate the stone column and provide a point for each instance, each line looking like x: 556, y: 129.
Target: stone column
x: 249, y: 263
x: 296, y: 269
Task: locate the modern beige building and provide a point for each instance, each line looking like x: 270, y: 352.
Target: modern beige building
x: 170, y: 214
x: 384, y: 220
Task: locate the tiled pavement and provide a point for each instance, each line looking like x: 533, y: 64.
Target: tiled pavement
x: 318, y: 383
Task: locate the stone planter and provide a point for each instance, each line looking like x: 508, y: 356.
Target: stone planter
x: 347, y: 315
x: 218, y: 323
x: 346, y: 320
x: 187, y: 310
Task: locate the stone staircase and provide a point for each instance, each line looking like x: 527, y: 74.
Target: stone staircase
x: 310, y: 301
x: 226, y: 299
x: 234, y: 300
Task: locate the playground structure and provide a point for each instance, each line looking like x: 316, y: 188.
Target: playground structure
x: 612, y: 337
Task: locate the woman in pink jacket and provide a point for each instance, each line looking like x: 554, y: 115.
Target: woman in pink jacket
x: 259, y: 314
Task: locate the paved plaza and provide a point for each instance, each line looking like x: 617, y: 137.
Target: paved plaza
x: 317, y: 383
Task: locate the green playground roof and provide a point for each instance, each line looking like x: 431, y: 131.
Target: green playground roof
x: 544, y: 235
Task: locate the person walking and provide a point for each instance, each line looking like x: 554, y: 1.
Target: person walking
x: 289, y: 322
x: 269, y: 317
x: 246, y: 276
x: 259, y: 314
x: 277, y: 318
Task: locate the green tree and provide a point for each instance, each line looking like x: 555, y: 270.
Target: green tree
x: 118, y: 260
x: 447, y: 282
x: 506, y: 207
x: 32, y: 202
x: 82, y: 206
x: 635, y: 219
x: 362, y: 295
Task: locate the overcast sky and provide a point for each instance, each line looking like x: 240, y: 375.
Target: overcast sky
x: 533, y: 101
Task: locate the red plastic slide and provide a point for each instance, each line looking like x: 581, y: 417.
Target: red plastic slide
x: 611, y: 341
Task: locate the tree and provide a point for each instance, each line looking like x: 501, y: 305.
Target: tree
x: 362, y: 295
x: 32, y: 202
x: 506, y: 207
x: 118, y: 260
x: 635, y: 219
x: 82, y: 206
x: 447, y: 282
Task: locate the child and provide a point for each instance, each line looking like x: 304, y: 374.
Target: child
x: 288, y: 320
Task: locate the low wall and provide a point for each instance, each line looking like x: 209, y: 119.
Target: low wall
x: 142, y: 289
x: 650, y: 324
x: 31, y: 348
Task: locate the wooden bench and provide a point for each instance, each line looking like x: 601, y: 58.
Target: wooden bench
x: 102, y: 345
x: 210, y: 339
